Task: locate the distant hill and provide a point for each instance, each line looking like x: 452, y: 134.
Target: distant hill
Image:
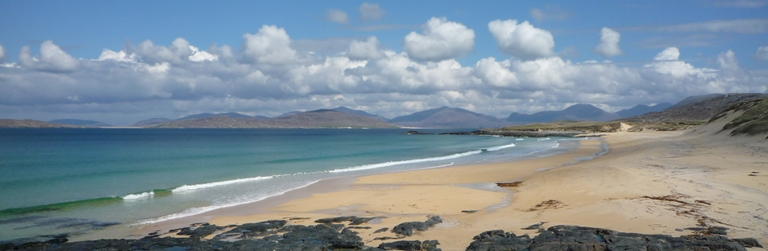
x: 642, y: 109
x: 152, y: 121
x: 78, y: 122
x: 578, y: 112
x: 208, y: 115
x: 697, y: 107
x: 313, y: 119
x: 29, y: 123
x: 752, y: 118
x: 359, y: 113
x: 447, y: 117
x: 155, y: 121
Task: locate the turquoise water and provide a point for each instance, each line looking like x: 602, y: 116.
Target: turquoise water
x: 81, y: 180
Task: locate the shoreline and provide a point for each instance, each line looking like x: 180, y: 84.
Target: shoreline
x: 568, y: 152
x: 673, y: 183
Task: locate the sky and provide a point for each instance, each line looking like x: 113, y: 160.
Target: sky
x: 123, y: 61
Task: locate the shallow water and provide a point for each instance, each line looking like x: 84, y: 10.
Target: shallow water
x: 81, y: 180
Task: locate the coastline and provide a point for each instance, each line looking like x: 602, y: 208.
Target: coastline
x: 476, y: 183
x: 672, y: 183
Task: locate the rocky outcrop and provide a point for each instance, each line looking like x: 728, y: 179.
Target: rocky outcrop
x: 598, y: 239
x: 407, y: 228
x: 275, y: 235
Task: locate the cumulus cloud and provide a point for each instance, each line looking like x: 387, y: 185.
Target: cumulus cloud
x: 522, y: 40
x: 670, y: 53
x: 727, y: 61
x: 337, y: 16
x: 271, y: 45
x: 267, y: 76
x: 495, y: 73
x: 359, y: 50
x: 370, y: 12
x: 120, y: 56
x: 761, y: 54
x: 201, y: 56
x: 440, y: 40
x: 609, y: 43
x: 52, y: 58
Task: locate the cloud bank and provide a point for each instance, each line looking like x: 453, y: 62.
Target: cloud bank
x: 266, y: 75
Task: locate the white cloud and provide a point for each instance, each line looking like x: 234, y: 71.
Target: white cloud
x: 271, y: 45
x: 495, y: 73
x: 609, y: 43
x: 52, y: 58
x: 120, y: 56
x: 670, y: 53
x: 201, y: 56
x: 551, y: 12
x: 337, y: 16
x: 727, y: 61
x: 370, y: 12
x: 369, y: 49
x: 522, y: 40
x: 266, y: 75
x: 762, y: 53
x: 440, y: 40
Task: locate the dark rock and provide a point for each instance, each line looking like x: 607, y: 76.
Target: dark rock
x: 407, y: 228
x: 499, y: 240
x: 380, y: 230
x: 748, y: 242
x: 320, y: 236
x: 198, y: 232
x: 358, y: 227
x: 534, y: 226
x: 354, y: 220
x: 717, y: 230
x: 430, y: 245
x: 250, y: 230
x: 469, y: 211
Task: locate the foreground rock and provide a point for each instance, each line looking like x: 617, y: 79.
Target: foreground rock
x: 275, y: 235
x: 588, y: 239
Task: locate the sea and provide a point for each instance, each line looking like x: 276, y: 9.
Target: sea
x: 80, y: 181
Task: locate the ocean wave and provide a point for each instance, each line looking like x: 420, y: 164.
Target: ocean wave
x: 403, y: 162
x: 188, y: 188
x: 519, y: 139
x: 496, y: 148
x: 138, y: 196
x: 542, y: 139
x: 199, y: 210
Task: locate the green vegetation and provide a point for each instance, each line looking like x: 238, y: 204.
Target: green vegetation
x: 666, y: 126
x: 567, y: 126
x: 753, y: 121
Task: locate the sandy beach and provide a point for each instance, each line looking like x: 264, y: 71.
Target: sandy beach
x: 648, y: 182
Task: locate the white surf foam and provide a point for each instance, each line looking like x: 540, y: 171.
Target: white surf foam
x: 138, y: 196
x: 496, y: 148
x: 542, y: 139
x: 188, y: 188
x: 403, y: 162
x: 519, y: 139
x: 199, y: 210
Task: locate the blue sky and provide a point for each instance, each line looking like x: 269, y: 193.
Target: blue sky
x: 423, y: 55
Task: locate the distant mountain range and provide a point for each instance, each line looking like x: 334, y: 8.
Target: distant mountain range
x: 78, y: 122
x: 642, y: 109
x: 695, y: 108
x: 692, y: 108
x: 447, y: 117
x: 323, y: 118
x: 578, y: 112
